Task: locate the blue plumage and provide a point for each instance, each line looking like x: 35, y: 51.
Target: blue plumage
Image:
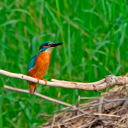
x: 38, y: 66
x: 32, y: 61
x: 43, y: 49
x: 46, y: 42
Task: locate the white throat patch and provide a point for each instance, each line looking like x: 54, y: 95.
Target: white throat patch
x: 49, y: 50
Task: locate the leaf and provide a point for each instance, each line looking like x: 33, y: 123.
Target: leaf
x: 21, y: 10
x: 11, y: 122
x: 10, y: 22
x: 10, y: 97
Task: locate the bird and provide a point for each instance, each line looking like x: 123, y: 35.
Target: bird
x: 39, y: 63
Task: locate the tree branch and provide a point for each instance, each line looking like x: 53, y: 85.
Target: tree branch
x: 97, y: 86
x: 39, y: 95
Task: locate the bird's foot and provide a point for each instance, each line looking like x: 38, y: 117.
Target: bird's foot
x: 45, y: 81
x: 37, y: 80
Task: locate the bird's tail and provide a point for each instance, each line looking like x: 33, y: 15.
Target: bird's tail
x: 32, y: 87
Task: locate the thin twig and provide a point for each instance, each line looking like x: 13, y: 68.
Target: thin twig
x: 110, y: 115
x: 89, y: 98
x: 92, y: 105
x: 44, y: 115
x: 107, y: 116
x: 100, y: 107
x: 74, y: 117
x: 58, y: 125
x: 54, y: 117
x: 78, y: 101
x: 39, y: 95
x: 77, y: 105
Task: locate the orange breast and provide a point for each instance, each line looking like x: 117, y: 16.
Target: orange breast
x: 41, y: 65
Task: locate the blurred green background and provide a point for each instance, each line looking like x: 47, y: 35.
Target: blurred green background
x: 95, y: 44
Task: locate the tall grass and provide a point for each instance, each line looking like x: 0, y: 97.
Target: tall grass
x: 95, y: 44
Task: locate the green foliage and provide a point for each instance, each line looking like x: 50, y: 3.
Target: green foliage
x: 95, y: 44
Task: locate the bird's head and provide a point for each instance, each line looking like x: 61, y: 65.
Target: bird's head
x: 48, y: 46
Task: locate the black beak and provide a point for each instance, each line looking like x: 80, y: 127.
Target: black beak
x: 55, y: 44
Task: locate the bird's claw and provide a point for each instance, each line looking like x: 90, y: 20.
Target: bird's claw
x: 45, y: 81
x: 37, y: 80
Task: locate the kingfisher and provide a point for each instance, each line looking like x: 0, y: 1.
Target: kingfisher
x: 39, y: 63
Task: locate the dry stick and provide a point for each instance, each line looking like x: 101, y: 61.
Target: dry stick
x: 92, y: 105
x: 89, y: 98
x: 110, y: 115
x: 107, y: 116
x: 54, y: 118
x: 78, y: 102
x: 88, y: 124
x: 58, y: 125
x: 100, y: 106
x: 93, y: 83
x: 100, y: 109
x: 102, y: 84
x: 77, y: 105
x: 44, y: 115
x: 39, y: 95
x: 74, y: 117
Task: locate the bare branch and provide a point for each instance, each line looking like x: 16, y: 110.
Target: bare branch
x: 39, y: 95
x: 97, y: 86
x: 93, y: 83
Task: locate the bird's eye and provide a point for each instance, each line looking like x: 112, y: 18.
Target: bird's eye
x: 49, y: 44
x: 46, y: 44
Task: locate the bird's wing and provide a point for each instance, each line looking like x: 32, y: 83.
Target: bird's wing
x: 32, y: 62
